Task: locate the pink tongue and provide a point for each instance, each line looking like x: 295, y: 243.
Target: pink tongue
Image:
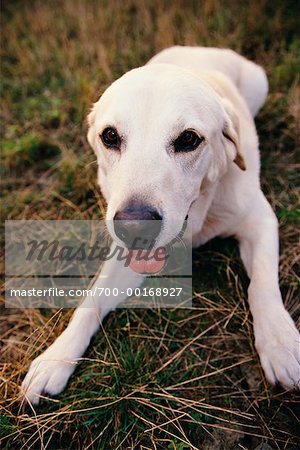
x: 146, y: 261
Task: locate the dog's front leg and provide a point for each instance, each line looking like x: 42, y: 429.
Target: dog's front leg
x: 276, y: 338
x: 50, y: 372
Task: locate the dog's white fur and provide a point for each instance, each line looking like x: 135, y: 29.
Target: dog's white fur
x: 215, y: 92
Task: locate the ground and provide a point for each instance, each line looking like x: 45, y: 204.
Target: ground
x: 159, y: 379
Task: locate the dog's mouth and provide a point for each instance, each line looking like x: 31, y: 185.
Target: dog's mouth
x: 147, y: 261
x: 150, y: 260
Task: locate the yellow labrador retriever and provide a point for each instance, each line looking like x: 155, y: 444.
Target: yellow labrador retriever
x: 178, y: 136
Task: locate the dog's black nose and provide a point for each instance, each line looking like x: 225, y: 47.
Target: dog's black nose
x: 137, y: 225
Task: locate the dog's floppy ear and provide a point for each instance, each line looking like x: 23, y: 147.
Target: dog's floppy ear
x: 231, y: 132
x: 90, y: 122
x: 91, y: 116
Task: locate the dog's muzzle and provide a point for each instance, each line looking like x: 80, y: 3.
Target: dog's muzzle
x: 138, y: 225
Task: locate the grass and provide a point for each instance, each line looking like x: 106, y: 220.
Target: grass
x: 160, y: 379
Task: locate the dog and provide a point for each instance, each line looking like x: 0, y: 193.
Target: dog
x: 177, y: 138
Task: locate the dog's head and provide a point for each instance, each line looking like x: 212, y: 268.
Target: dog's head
x: 159, y: 132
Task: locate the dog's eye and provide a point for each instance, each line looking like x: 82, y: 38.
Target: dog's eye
x: 110, y: 137
x: 187, y: 141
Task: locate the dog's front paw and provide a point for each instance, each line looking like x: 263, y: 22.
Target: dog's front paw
x: 277, y: 341
x: 48, y: 373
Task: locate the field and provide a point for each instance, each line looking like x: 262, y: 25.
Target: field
x: 151, y: 379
